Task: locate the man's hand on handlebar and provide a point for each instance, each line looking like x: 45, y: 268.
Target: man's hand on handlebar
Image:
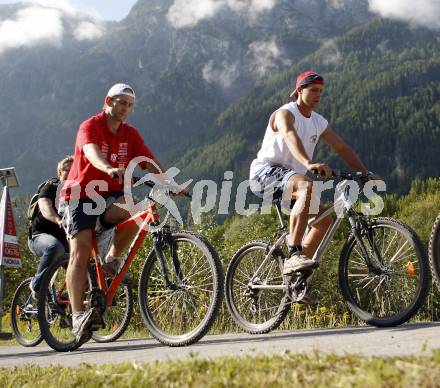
x: 321, y: 170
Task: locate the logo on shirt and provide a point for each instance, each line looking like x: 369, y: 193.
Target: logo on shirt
x: 113, y: 157
x: 313, y: 138
x: 104, y: 149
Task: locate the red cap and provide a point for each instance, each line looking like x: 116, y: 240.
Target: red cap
x: 304, y: 79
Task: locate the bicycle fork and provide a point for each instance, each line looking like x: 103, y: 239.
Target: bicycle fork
x: 357, y: 227
x: 159, y: 239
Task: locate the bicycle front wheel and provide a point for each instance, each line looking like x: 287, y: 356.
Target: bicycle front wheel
x: 434, y: 251
x: 181, y: 312
x: 393, y: 291
x: 256, y: 310
x: 24, y: 320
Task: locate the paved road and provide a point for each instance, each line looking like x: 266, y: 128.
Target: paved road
x: 403, y: 340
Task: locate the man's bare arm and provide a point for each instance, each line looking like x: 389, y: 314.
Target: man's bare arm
x: 48, y: 211
x: 343, y: 150
x: 285, y: 123
x: 95, y: 156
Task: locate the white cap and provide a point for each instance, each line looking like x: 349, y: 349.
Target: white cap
x: 121, y: 89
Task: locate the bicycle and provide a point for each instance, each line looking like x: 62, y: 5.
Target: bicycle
x: 180, y: 286
x: 24, y: 320
x: 383, y: 271
x: 434, y: 251
x: 24, y: 315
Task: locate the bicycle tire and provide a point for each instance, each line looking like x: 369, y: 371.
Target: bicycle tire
x: 402, y: 280
x: 152, y: 292
x: 52, y: 315
x: 237, y: 305
x: 434, y: 251
x: 112, y: 319
x: 24, y: 320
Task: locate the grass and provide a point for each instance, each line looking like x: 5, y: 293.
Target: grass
x: 263, y: 371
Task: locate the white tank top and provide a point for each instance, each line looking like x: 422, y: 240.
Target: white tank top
x: 274, y: 150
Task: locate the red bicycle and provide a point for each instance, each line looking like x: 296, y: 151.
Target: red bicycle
x: 179, y: 292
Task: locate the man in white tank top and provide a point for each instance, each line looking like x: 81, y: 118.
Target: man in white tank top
x: 286, y: 155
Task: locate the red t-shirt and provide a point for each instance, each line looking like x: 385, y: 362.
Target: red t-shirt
x: 119, y: 149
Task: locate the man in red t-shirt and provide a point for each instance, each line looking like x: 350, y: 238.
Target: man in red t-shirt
x: 104, y: 146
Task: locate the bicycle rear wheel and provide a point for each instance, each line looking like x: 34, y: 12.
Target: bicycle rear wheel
x: 392, y: 293
x: 54, y: 310
x: 24, y: 320
x: 181, y: 312
x: 256, y: 311
x: 434, y: 251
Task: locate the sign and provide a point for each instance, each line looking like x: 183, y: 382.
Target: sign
x: 9, y: 249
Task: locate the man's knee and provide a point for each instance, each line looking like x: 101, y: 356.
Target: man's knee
x: 80, y: 248
x: 299, y: 186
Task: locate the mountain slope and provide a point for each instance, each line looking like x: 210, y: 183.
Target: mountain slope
x: 382, y: 96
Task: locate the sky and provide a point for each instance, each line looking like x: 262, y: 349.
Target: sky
x: 102, y: 9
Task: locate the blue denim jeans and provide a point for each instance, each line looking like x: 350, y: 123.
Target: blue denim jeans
x: 48, y: 248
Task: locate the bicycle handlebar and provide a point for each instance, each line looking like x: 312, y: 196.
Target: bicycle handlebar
x: 356, y: 176
x: 151, y: 185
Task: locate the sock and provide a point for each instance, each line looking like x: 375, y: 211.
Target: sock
x: 109, y: 258
x: 295, y: 248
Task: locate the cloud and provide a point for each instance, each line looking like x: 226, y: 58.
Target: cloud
x: 383, y: 46
x: 30, y: 27
x: 67, y: 7
x: 41, y: 22
x: 330, y: 54
x: 87, y: 31
x: 188, y: 13
x: 266, y: 57
x: 425, y: 13
x: 223, y: 74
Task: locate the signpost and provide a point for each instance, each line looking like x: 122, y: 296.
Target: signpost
x: 9, y: 248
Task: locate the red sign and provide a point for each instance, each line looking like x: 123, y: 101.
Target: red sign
x: 9, y: 248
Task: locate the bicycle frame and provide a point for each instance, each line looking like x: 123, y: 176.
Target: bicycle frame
x: 345, y: 203
x: 148, y: 217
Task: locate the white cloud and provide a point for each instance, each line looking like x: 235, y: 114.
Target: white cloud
x: 330, y: 54
x: 187, y: 13
x: 383, y: 46
x: 424, y: 13
x: 31, y: 26
x: 41, y: 22
x: 67, y: 7
x: 266, y: 57
x: 223, y: 74
x: 88, y: 31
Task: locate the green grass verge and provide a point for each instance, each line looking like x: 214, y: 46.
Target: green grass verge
x: 269, y: 371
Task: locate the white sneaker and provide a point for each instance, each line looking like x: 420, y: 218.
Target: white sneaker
x: 83, y: 322
x: 296, y: 262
